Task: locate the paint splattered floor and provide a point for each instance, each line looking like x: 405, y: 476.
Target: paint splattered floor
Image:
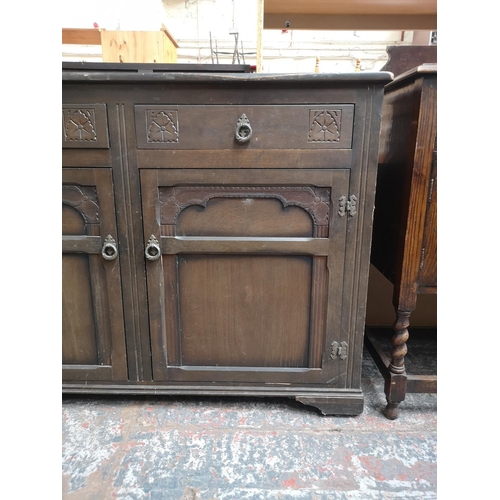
x: 187, y: 448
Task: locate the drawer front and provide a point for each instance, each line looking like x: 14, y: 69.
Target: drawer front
x: 313, y: 126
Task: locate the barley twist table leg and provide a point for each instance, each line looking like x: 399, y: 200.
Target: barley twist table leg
x: 396, y: 390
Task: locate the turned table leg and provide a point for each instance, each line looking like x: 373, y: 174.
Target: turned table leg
x: 395, y: 389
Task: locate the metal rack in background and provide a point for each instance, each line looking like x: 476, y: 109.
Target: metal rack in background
x: 238, y: 57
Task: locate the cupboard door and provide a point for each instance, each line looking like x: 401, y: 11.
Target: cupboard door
x: 93, y: 338
x: 245, y: 273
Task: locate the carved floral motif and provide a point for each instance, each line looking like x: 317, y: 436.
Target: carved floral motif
x: 163, y: 126
x: 79, y: 125
x: 83, y: 199
x: 324, y: 125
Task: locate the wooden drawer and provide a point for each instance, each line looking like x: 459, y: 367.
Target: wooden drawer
x: 310, y: 126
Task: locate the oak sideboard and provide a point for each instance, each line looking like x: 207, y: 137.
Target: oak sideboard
x: 216, y: 232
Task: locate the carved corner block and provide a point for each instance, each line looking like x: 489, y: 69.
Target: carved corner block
x: 84, y: 126
x: 162, y: 126
x: 324, y: 125
x: 83, y: 199
x: 157, y: 127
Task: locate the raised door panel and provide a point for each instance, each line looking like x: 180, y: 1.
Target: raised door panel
x: 93, y: 342
x: 244, y: 310
x: 245, y: 274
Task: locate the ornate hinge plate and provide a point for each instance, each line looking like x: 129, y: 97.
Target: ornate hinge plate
x: 338, y: 350
x: 347, y: 205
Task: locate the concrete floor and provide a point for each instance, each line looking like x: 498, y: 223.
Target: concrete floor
x: 187, y: 448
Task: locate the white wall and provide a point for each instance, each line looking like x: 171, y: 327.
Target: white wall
x: 192, y: 22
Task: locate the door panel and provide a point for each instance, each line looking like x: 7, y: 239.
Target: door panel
x: 242, y: 310
x: 79, y: 343
x: 239, y: 273
x: 93, y: 341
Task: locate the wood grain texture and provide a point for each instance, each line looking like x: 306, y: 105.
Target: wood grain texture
x: 404, y: 184
x: 244, y: 158
x: 284, y: 246
x: 138, y: 47
x: 428, y: 264
x: 319, y: 311
x: 245, y: 217
x: 79, y: 36
x: 245, y: 310
x: 130, y: 233
x: 94, y: 158
x: 418, y: 193
x: 78, y: 326
x: 73, y: 222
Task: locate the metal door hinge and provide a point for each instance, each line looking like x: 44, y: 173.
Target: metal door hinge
x: 422, y: 258
x: 338, y: 350
x: 431, y: 189
x: 347, y: 205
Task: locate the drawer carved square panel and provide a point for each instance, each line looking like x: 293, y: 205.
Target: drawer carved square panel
x: 325, y: 125
x: 162, y: 126
x: 84, y: 126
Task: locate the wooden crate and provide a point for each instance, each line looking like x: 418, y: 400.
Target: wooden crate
x: 128, y: 46
x: 138, y: 46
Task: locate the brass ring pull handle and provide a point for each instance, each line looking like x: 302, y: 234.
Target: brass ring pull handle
x: 109, y: 249
x: 243, y: 129
x: 153, y: 251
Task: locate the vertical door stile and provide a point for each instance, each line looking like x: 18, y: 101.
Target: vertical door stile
x: 155, y: 273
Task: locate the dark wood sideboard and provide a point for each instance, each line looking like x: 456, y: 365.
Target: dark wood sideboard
x: 216, y: 233
x: 404, y: 247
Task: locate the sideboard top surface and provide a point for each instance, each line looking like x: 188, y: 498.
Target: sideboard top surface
x: 381, y: 77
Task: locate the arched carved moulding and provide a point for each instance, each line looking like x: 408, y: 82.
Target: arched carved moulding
x: 315, y: 201
x: 83, y: 199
